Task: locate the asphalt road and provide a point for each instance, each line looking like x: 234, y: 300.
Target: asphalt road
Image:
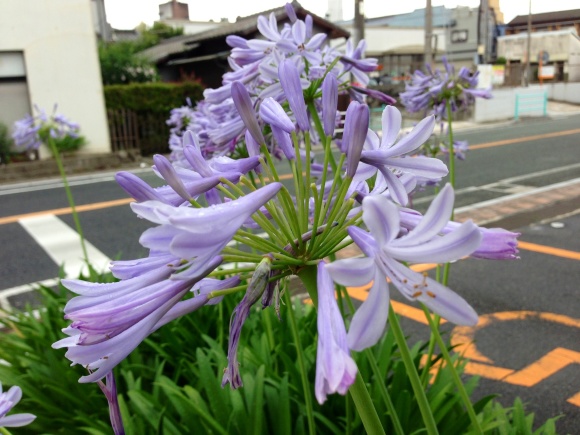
x: 504, y: 159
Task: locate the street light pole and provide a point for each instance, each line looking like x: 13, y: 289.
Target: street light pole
x: 359, y: 21
x: 529, y: 49
x: 428, y: 32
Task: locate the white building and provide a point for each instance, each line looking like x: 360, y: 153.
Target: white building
x: 48, y: 56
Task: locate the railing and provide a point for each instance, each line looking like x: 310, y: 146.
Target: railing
x: 535, y: 103
x: 130, y: 131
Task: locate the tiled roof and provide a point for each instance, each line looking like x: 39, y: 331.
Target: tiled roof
x: 244, y: 26
x: 546, y: 18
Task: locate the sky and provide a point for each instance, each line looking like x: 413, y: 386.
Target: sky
x: 127, y: 14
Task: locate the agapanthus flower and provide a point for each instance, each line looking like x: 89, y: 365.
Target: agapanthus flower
x: 110, y: 320
x: 392, y: 158
x: 32, y: 131
x: 384, y: 249
x: 9, y: 400
x: 335, y: 368
x: 429, y: 92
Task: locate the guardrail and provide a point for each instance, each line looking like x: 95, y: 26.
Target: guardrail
x: 535, y: 103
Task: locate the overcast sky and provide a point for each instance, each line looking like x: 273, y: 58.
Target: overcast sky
x: 127, y: 14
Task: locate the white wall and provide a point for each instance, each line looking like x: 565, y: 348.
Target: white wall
x: 503, y: 104
x: 58, y: 41
x: 566, y: 92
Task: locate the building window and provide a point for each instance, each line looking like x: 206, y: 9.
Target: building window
x: 458, y: 36
x: 14, y: 96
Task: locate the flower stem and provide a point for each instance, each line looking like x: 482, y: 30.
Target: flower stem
x: 4, y: 431
x: 301, y: 364
x: 455, y: 375
x: 70, y: 198
x: 451, y: 150
x: 420, y: 395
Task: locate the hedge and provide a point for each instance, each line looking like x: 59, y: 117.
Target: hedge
x: 157, y: 98
x: 151, y: 104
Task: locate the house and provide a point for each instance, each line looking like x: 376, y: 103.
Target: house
x: 204, y: 55
x: 555, y: 41
x: 48, y: 56
x: 466, y: 36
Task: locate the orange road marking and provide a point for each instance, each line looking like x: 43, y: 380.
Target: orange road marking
x: 67, y: 210
x: 546, y: 366
x: 557, y: 359
x: 575, y: 400
x: 524, y: 139
x: 549, y: 250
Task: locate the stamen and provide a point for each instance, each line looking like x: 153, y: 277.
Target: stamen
x: 417, y: 294
x: 431, y: 294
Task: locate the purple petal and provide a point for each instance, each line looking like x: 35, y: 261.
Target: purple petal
x: 417, y: 137
x: 370, y: 319
x: 272, y: 113
x: 329, y: 103
x: 381, y: 218
x: 246, y: 110
x: 352, y: 271
x: 290, y: 81
x: 17, y: 420
x: 391, y: 122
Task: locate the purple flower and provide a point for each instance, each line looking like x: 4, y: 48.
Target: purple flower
x: 329, y: 103
x: 246, y: 110
x: 356, y: 125
x: 377, y: 95
x: 272, y: 113
x: 253, y: 294
x: 9, y: 400
x: 290, y: 80
x: 429, y: 92
x: 335, y: 368
x: 391, y: 160
x: 384, y: 248
x: 496, y: 243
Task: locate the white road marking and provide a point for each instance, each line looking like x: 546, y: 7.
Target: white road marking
x: 62, y: 244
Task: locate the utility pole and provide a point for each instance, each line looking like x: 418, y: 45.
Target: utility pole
x: 359, y: 21
x: 428, y: 32
x: 527, y: 74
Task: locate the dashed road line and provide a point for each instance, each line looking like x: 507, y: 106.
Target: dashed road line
x: 62, y: 244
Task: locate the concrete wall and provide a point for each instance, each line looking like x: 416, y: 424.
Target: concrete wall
x: 502, y: 105
x: 566, y: 92
x: 58, y: 41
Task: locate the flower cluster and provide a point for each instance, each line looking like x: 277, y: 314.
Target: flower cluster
x: 429, y: 91
x: 255, y: 64
x: 9, y: 400
x: 224, y: 226
x: 32, y: 131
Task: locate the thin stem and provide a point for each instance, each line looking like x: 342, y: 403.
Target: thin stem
x: 420, y: 395
x: 4, y: 431
x: 378, y: 375
x: 70, y: 198
x: 451, y: 150
x: 365, y: 406
x: 455, y: 375
x: 301, y: 364
x: 384, y: 392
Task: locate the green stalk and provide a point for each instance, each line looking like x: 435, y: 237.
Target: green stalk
x: 70, y: 198
x: 358, y: 390
x: 4, y: 431
x: 418, y: 389
x: 379, y: 376
x: 365, y: 406
x: 320, y: 130
x: 451, y: 150
x: 302, y: 365
x: 455, y: 375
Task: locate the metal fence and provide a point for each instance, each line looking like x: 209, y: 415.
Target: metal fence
x: 130, y: 131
